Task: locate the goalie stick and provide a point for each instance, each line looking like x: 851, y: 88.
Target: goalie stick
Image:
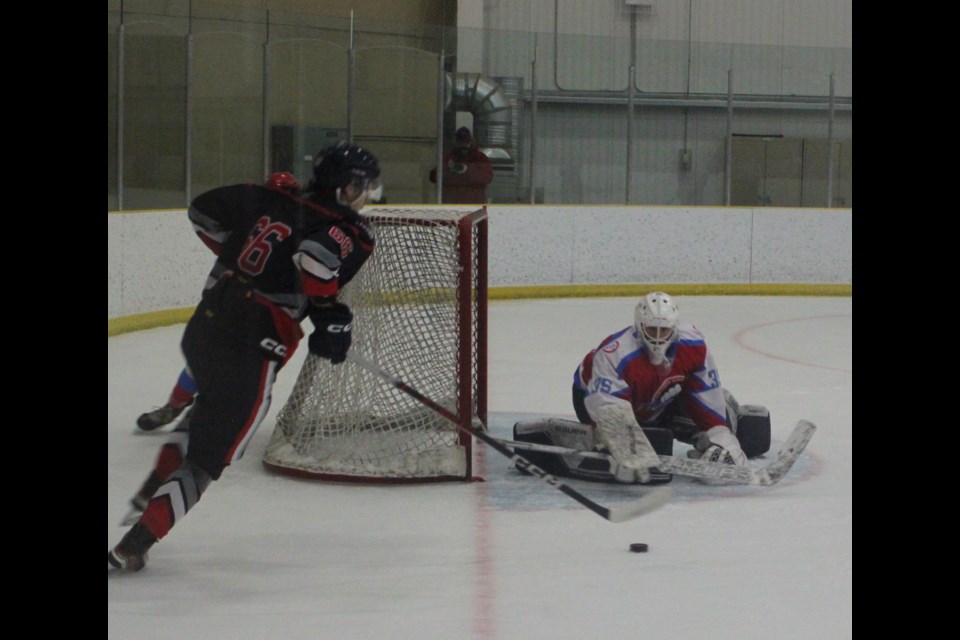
x: 650, y: 501
x: 704, y: 470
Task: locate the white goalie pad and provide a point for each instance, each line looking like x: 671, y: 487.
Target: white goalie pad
x: 576, y: 454
x: 576, y: 439
x: 566, y: 433
x: 618, y: 431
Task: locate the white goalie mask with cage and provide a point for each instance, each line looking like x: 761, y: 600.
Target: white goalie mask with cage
x: 656, y: 319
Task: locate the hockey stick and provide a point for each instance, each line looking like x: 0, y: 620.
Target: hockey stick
x: 651, y: 501
x: 714, y: 472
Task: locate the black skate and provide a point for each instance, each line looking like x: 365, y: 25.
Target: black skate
x: 118, y: 560
x: 159, y: 417
x: 131, y: 553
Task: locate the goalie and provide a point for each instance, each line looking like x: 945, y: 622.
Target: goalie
x: 642, y: 388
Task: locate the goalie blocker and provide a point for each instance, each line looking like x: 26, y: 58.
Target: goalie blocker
x: 750, y: 424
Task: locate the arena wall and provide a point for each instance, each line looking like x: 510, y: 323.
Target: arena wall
x: 157, y: 266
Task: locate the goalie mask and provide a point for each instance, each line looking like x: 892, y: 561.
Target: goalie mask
x: 656, y: 319
x: 342, y: 164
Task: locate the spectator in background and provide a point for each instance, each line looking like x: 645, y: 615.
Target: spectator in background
x: 466, y: 172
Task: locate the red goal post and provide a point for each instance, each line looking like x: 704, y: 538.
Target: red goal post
x: 420, y: 310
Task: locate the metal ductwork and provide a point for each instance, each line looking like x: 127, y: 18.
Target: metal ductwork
x: 494, y: 118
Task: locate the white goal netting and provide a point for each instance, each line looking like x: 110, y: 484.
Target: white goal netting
x: 419, y: 306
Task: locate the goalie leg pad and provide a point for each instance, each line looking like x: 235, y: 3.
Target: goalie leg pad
x: 576, y: 435
x: 619, y: 433
x: 557, y: 432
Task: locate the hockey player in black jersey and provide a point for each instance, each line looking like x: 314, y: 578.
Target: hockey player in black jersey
x: 286, y: 259
x: 183, y: 391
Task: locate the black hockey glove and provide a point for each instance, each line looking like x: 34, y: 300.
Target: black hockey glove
x: 332, y: 335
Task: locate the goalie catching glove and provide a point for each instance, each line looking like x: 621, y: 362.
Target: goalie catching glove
x: 332, y: 333
x: 718, y: 444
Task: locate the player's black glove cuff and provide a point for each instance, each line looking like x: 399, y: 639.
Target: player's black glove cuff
x: 332, y: 332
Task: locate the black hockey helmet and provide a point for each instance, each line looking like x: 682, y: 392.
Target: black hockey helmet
x: 343, y: 163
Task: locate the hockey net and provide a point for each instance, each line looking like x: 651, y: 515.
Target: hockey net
x: 419, y: 306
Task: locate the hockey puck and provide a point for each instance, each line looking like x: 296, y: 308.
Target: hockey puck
x: 639, y: 547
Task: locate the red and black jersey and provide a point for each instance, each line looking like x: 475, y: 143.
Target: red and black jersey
x: 289, y: 249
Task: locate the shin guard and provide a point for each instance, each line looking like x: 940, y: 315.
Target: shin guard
x: 170, y: 458
x: 174, y: 498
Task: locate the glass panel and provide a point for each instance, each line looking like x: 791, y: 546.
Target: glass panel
x: 306, y: 102
x: 251, y: 91
x: 396, y: 93
x: 226, y: 110
x: 113, y: 96
x: 154, y: 113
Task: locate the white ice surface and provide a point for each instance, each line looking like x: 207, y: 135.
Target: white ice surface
x: 264, y: 556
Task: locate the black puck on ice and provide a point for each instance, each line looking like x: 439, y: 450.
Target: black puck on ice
x: 639, y: 547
